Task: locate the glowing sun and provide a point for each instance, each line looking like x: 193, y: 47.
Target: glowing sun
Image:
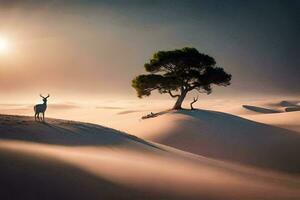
x: 4, y: 45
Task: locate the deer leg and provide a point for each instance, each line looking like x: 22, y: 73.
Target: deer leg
x: 43, y: 116
x: 38, y: 116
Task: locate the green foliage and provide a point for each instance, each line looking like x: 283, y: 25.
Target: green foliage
x: 144, y: 84
x: 180, y: 70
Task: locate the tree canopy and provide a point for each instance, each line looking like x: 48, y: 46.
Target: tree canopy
x: 180, y: 71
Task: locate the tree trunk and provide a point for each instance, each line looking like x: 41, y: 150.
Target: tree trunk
x: 179, y: 101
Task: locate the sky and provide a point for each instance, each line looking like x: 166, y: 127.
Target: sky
x: 91, y: 50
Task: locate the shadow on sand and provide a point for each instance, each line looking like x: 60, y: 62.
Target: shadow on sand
x: 260, y: 109
x: 229, y: 137
x: 62, y: 132
x: 29, y: 177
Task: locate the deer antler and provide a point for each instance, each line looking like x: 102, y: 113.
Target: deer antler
x: 45, y: 97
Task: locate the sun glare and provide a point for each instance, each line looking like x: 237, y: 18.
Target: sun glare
x: 4, y: 45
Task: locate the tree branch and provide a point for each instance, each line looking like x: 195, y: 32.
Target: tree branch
x: 172, y: 95
x: 195, y: 100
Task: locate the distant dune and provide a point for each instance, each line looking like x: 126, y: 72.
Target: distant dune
x: 289, y: 103
x: 260, y: 109
x: 72, y: 160
x: 292, y: 109
x: 286, y: 114
x: 274, y: 107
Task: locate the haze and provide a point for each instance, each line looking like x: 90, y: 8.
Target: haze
x: 93, y: 138
x: 88, y: 50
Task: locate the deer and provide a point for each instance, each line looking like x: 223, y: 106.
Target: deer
x: 41, y: 108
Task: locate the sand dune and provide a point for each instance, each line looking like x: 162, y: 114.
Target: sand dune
x: 72, y: 160
x: 286, y: 117
x: 63, y: 132
x: 227, y: 137
x: 286, y: 120
x: 260, y: 109
x: 289, y: 108
x: 289, y: 103
x: 269, y: 106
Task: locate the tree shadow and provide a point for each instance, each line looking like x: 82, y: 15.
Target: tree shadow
x: 153, y: 115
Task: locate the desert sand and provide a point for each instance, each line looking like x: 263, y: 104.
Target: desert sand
x: 199, y: 154
x: 228, y: 137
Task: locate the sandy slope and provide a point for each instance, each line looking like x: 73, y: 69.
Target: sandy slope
x: 287, y: 120
x: 72, y: 160
x: 227, y: 137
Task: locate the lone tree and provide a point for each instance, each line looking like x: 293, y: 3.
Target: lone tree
x: 178, y: 72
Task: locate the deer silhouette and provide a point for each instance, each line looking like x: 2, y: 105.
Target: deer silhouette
x: 41, y: 108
